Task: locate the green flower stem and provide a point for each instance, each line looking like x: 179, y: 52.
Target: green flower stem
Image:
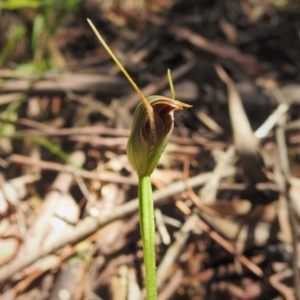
x: 148, y: 232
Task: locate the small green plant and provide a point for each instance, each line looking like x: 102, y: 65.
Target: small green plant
x: 153, y: 123
x: 49, y: 15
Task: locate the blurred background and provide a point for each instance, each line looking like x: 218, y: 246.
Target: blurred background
x: 227, y: 187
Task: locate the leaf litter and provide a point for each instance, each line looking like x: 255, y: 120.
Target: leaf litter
x: 226, y: 189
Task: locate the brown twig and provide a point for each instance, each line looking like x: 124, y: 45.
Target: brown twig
x: 196, y: 200
x: 40, y: 229
x: 246, y: 61
x: 106, y: 177
x: 171, y: 287
x: 89, y: 130
x: 174, y: 250
x: 90, y: 225
x: 282, y: 288
x: 284, y: 164
x: 226, y: 245
x: 67, y: 82
x: 209, y: 191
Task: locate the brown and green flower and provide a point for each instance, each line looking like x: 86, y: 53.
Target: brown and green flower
x: 148, y: 138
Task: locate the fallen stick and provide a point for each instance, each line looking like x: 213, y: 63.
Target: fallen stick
x: 91, y: 224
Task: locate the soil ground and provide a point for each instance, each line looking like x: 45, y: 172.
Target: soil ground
x: 227, y: 188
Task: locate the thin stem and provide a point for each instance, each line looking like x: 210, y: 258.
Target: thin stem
x: 118, y: 63
x: 147, y: 232
x: 171, y: 84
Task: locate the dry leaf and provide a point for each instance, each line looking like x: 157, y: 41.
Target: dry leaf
x: 8, y: 249
x: 245, y: 142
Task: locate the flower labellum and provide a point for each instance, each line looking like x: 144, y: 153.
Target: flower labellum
x: 146, y: 143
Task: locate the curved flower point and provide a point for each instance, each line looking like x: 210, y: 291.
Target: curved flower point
x: 146, y: 144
